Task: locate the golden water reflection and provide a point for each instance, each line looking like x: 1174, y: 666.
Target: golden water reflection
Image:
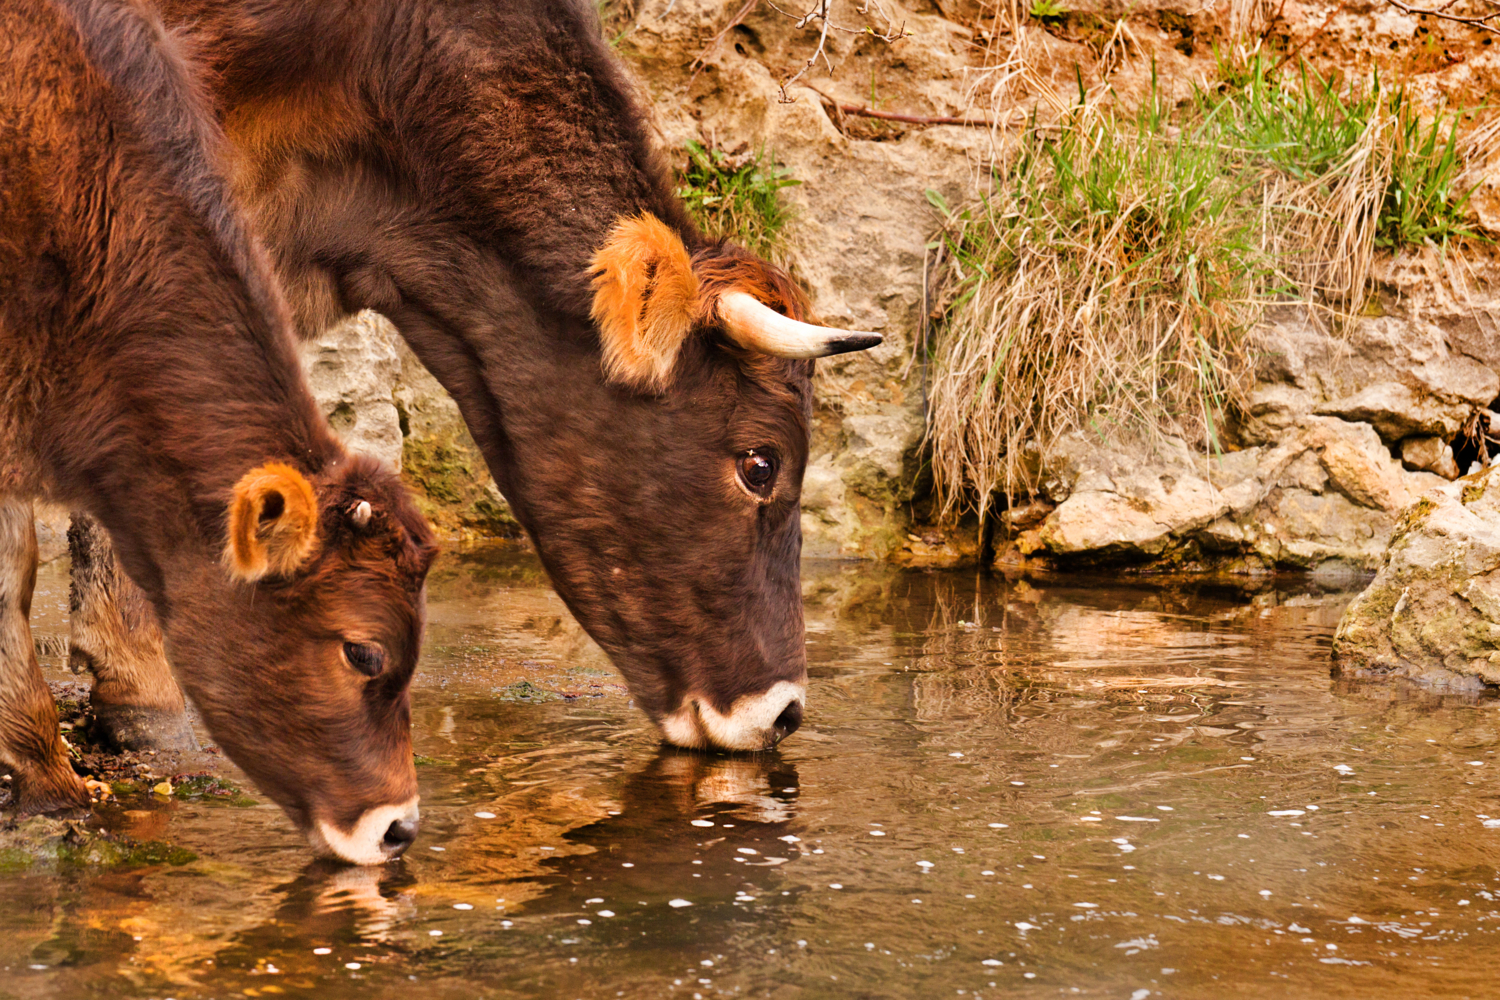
x: 1002, y: 788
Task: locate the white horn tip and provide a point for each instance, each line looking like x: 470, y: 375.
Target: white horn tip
x: 360, y: 515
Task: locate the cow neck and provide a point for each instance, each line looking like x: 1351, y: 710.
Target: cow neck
x: 452, y: 165
x: 510, y: 127
x: 176, y: 371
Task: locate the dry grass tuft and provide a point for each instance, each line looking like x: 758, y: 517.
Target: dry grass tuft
x: 1108, y: 283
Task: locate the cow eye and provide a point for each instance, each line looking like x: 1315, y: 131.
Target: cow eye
x: 366, y: 657
x: 758, y: 472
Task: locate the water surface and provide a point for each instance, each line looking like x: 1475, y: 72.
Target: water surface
x: 1001, y: 789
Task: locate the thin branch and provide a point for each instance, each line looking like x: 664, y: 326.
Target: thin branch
x: 713, y: 43
x: 1482, y: 21
x: 889, y: 36
x: 891, y: 116
x: 821, y: 11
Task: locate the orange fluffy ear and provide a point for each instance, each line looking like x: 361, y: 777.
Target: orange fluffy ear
x: 645, y: 301
x: 273, y: 523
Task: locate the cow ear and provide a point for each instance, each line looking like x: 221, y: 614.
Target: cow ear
x: 273, y: 523
x: 645, y: 301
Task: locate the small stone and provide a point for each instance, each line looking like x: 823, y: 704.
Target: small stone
x: 1429, y: 454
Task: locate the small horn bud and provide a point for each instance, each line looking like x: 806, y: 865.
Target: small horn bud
x: 360, y: 514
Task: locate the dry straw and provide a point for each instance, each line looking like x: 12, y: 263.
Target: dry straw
x: 1109, y: 281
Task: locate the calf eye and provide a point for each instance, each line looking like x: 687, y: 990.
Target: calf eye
x: 366, y: 657
x: 758, y: 472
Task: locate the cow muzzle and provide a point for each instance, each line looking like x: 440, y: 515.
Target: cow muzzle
x: 753, y: 722
x: 382, y: 834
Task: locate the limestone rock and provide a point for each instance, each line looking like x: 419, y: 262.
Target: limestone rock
x: 1138, y: 514
x: 1399, y: 411
x: 1433, y: 610
x: 440, y: 459
x: 351, y: 368
x: 1328, y: 493
x: 1430, y: 454
x: 51, y: 532
x: 382, y: 401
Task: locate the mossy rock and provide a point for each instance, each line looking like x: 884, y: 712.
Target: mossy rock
x: 210, y: 788
x: 454, y: 490
x: 525, y: 691
x: 1432, y: 612
x: 40, y: 841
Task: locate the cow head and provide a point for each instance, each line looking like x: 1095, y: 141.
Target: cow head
x: 647, y: 417
x: 658, y: 465
x: 298, y: 648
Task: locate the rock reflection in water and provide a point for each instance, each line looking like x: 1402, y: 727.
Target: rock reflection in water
x: 1002, y: 789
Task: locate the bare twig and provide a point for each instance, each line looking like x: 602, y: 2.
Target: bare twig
x: 820, y: 11
x: 886, y: 36
x: 1292, y: 53
x: 1484, y: 22
x: 891, y: 116
x: 713, y: 43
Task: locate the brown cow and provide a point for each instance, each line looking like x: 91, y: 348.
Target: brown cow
x: 479, y: 172
x: 148, y: 376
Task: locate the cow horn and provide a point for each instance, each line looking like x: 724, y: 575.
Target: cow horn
x: 757, y: 327
x: 360, y: 515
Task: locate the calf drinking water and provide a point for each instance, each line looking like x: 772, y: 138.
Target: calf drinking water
x: 148, y: 377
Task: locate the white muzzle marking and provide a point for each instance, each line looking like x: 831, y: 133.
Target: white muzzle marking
x: 749, y: 725
x: 365, y: 844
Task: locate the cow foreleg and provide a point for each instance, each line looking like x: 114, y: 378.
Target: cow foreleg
x: 31, y: 747
x: 135, y: 702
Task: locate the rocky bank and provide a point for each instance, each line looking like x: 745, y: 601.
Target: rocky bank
x: 1343, y: 432
x: 1343, y: 429
x: 1433, y: 610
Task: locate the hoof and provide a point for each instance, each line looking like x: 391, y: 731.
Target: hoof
x: 63, y: 795
x: 126, y: 727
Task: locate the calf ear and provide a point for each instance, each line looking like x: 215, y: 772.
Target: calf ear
x: 645, y: 301
x: 273, y: 523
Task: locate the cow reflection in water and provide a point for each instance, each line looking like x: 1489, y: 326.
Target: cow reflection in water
x: 198, y: 933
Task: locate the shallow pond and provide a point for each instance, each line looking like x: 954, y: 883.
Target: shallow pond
x: 1001, y: 789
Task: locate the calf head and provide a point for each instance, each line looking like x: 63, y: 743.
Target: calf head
x: 299, y: 647
x: 663, y: 490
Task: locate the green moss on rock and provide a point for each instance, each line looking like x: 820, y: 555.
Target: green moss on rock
x: 454, y: 490
x: 210, y: 788
x: 40, y: 841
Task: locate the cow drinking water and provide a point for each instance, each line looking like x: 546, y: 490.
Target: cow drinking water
x: 148, y: 377
x: 480, y: 172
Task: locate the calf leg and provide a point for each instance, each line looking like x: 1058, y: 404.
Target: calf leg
x: 113, y: 634
x: 31, y: 747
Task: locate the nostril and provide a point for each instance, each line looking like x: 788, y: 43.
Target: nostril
x: 398, y: 837
x: 787, y: 722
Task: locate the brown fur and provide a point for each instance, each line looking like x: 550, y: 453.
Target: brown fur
x: 29, y: 745
x: 112, y: 633
x: 151, y: 349
x: 461, y: 166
